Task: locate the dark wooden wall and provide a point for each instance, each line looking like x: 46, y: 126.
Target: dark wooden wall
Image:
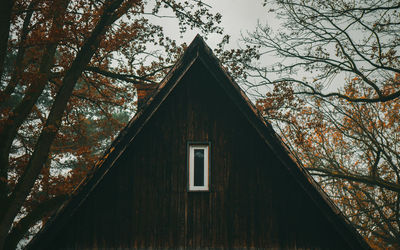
x: 253, y: 202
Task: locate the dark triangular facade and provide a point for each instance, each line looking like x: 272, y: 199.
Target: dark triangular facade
x: 139, y: 196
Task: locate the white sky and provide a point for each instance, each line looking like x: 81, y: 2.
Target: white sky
x: 238, y: 16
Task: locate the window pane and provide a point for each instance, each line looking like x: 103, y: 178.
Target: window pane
x: 199, y: 167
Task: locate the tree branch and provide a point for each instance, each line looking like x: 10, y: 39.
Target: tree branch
x: 123, y: 77
x: 21, y: 228
x: 358, y: 178
x: 6, y: 94
x: 49, y: 132
x: 5, y: 22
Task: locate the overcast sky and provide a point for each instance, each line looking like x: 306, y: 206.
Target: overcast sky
x: 238, y: 16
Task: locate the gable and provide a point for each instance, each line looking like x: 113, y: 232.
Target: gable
x: 141, y: 199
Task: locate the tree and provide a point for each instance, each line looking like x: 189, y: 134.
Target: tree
x: 334, y: 97
x: 324, y: 41
x: 68, y: 72
x: 351, y: 149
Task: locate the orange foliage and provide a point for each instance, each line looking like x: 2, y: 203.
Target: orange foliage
x: 46, y: 48
x: 351, y: 149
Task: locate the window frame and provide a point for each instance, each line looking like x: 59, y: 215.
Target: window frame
x: 191, y: 146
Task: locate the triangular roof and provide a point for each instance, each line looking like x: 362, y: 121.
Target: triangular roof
x: 199, y: 51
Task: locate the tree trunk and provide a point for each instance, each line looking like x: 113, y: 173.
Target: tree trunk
x: 5, y: 22
x: 18, y: 66
x: 43, y: 209
x: 9, y: 128
x: 49, y: 132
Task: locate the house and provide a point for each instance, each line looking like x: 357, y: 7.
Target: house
x: 198, y: 167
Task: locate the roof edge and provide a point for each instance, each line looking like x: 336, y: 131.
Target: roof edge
x: 198, y: 50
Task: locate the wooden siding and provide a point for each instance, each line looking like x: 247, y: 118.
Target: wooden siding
x: 143, y: 201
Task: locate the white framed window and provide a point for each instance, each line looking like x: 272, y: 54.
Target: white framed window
x: 199, y: 167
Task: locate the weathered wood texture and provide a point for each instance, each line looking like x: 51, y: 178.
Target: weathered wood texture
x: 253, y: 201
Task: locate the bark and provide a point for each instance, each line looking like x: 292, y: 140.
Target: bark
x: 20, y: 229
x: 18, y: 115
x: 378, y: 98
x: 369, y: 180
x: 49, y: 132
x: 18, y: 67
x: 5, y: 22
x: 124, y: 77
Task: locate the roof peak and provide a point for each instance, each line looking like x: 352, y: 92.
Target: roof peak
x: 199, y: 40
x: 197, y: 51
